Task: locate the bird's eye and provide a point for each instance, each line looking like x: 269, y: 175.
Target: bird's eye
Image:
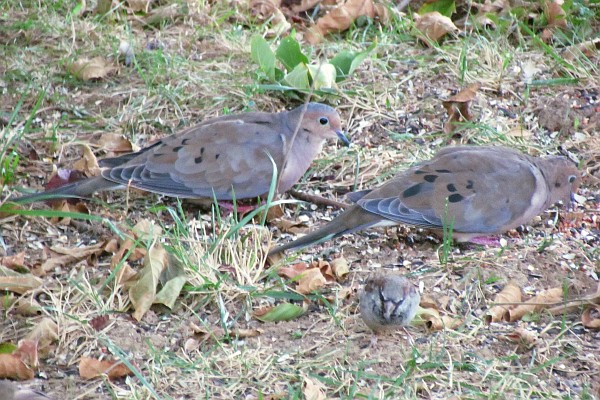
x: 323, y: 121
x: 572, y: 178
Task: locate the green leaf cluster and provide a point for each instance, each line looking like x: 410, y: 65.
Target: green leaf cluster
x: 288, y: 68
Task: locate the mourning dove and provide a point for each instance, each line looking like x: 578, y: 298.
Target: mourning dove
x: 388, y: 302
x: 8, y: 391
x: 224, y: 158
x: 477, y: 190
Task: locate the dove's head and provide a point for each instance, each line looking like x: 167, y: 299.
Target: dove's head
x: 321, y: 121
x: 563, y: 178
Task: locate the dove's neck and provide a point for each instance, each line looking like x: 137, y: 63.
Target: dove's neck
x: 304, y: 149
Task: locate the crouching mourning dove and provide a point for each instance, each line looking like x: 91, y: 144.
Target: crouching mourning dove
x: 226, y: 158
x: 476, y: 190
x: 388, y: 302
x: 8, y: 391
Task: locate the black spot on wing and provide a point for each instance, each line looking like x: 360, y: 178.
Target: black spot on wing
x: 177, y: 148
x: 185, y: 141
x: 198, y: 160
x: 455, y: 198
x: 430, y: 178
x: 443, y: 171
x: 469, y: 184
x: 451, y: 188
x: 412, y: 191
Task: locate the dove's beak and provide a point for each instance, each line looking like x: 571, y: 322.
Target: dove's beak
x: 342, y: 136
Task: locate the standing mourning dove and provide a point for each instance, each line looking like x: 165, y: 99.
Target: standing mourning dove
x: 224, y: 158
x: 8, y: 391
x: 478, y: 190
x: 388, y: 302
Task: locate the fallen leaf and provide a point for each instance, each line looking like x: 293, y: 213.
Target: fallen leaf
x: 138, y: 5
x: 90, y: 368
x: 591, y: 317
x: 340, y: 267
x: 88, y: 163
x: 341, y: 18
x: 524, y: 338
x: 310, y: 281
x: 458, y: 106
x: 44, y: 333
x: 16, y: 282
x: 16, y: 261
x: 434, y: 25
x: 86, y: 69
x: 143, y: 292
x: 115, y: 143
x: 543, y: 300
x: 511, y: 293
x: 21, y: 364
x: 313, y: 389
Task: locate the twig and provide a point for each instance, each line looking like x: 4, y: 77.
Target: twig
x: 318, y: 200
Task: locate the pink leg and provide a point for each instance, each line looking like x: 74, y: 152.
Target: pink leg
x: 491, y: 241
x: 241, y: 209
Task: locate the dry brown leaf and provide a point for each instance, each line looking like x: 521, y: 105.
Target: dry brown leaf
x: 88, y: 163
x: 555, y: 14
x: 588, y: 48
x: 591, y: 317
x: 341, y: 18
x: 61, y: 257
x: 310, y: 281
x: 526, y: 339
x: 292, y: 271
x: 313, y: 389
x: 86, y: 69
x: 458, y: 106
x: 44, y: 333
x: 16, y: 282
x: 12, y: 367
x: 543, y: 300
x: 138, y: 5
x: 143, y: 292
x: 13, y: 262
x: 434, y: 25
x: 340, y: 267
x: 325, y: 269
x: 511, y: 293
x: 164, y: 14
x: 90, y: 368
x: 115, y: 143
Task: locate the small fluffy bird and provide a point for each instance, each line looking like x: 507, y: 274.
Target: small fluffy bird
x: 388, y: 302
x: 229, y: 157
x: 477, y: 190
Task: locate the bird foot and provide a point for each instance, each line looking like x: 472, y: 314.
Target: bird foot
x: 239, y: 208
x: 491, y: 241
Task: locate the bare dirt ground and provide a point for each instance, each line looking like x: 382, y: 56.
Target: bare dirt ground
x: 197, y: 65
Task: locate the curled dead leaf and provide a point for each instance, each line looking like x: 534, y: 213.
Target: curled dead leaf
x: 434, y: 25
x: 458, y: 107
x: 543, y: 300
x: 44, y: 333
x: 511, y: 293
x: 86, y: 69
x: 524, y: 338
x: 16, y: 282
x: 90, y: 368
x: 591, y: 317
x: 13, y: 262
x: 313, y: 389
x: 340, y: 267
x: 115, y: 143
x: 341, y: 18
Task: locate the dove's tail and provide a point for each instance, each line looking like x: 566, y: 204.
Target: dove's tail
x: 79, y: 189
x: 353, y: 219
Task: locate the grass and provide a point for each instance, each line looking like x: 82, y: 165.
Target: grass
x: 392, y: 108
